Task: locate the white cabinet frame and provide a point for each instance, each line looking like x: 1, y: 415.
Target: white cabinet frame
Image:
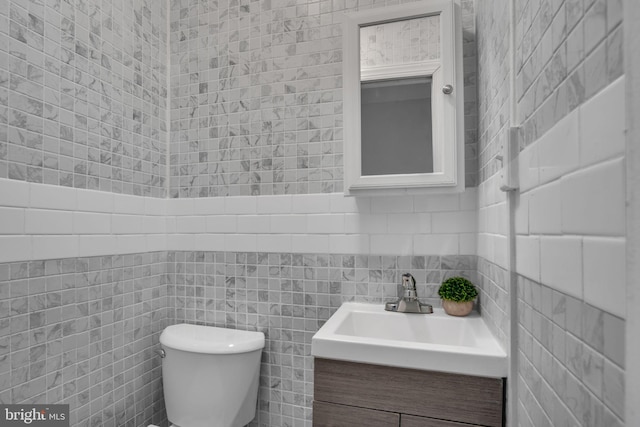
x: 448, y: 110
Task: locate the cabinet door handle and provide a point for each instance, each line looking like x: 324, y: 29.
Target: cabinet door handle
x: 447, y: 89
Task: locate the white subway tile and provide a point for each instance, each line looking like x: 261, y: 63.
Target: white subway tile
x: 91, y: 223
x: 154, y: 206
x: 205, y: 206
x: 154, y: 224
x: 392, y: 204
x: 184, y: 206
x: 602, y: 124
x: 593, y: 200
x: 288, y: 223
x: 500, y: 251
x: 273, y: 243
x: 131, y: 243
x: 95, y: 201
x: 240, y: 242
x: 55, y: 247
x: 42, y: 221
x: 191, y: 224
x: 605, y: 274
x: 485, y: 245
x: 495, y: 219
x: 558, y: 149
x: 181, y: 242
x: 240, y: 205
x: 97, y: 245
x: 454, y: 222
x: 170, y: 224
x: 222, y: 224
x: 561, y: 263
x: 469, y: 199
x: 275, y: 204
x: 15, y: 248
x: 522, y: 214
x: 53, y: 197
x: 409, y: 223
x: 397, y: 244
x: 12, y: 220
x: 157, y: 242
x: 126, y: 224
x: 311, y: 203
x: 254, y: 224
x: 545, y: 209
x: 325, y: 223
x: 436, y: 203
x: 528, y: 168
x: 209, y: 242
x: 14, y: 193
x: 365, y: 224
x: 528, y: 256
x: 349, y: 244
x: 340, y: 203
x: 432, y: 244
x: 128, y: 204
x: 310, y: 243
x: 468, y: 243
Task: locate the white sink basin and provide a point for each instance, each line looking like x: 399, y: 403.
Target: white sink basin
x: 367, y: 333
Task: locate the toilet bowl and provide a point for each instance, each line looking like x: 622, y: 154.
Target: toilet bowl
x: 210, y: 375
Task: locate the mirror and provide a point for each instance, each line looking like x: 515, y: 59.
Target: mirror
x: 400, y: 127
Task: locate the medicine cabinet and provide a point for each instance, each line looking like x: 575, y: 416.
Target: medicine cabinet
x: 403, y: 99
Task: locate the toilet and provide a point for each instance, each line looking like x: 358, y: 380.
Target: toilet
x: 210, y: 375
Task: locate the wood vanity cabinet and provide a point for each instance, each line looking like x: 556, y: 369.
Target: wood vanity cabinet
x: 349, y: 394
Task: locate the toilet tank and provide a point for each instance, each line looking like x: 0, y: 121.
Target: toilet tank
x: 210, y: 375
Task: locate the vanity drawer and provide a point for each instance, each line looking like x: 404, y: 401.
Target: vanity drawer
x: 411, y: 421
x: 332, y: 415
x: 460, y: 398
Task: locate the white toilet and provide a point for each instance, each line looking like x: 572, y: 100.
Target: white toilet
x: 210, y: 375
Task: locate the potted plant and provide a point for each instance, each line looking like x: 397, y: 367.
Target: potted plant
x: 457, y: 295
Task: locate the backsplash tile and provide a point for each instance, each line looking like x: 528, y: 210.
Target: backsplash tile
x: 288, y: 297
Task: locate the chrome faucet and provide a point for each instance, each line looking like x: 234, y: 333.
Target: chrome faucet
x: 409, y: 302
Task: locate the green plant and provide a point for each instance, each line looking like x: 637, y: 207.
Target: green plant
x: 457, y: 289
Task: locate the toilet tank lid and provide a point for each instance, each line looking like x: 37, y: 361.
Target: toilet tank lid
x: 210, y: 339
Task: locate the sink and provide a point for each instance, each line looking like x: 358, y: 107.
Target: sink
x: 360, y: 332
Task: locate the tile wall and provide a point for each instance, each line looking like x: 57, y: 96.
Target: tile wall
x: 571, y: 363
x: 82, y: 331
x: 83, y: 94
x: 566, y: 52
x: 493, y: 129
x: 256, y: 97
x: 569, y: 211
x: 570, y: 242
x: 288, y: 296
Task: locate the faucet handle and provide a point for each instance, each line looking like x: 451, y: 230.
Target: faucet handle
x: 408, y: 281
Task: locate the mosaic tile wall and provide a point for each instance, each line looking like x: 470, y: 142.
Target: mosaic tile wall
x: 566, y: 52
x: 494, y: 299
x: 83, y: 94
x: 288, y: 297
x: 82, y: 331
x: 493, y: 105
x: 571, y: 361
x: 256, y: 97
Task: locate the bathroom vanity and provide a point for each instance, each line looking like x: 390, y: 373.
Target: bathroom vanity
x: 361, y: 394
x: 379, y: 368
